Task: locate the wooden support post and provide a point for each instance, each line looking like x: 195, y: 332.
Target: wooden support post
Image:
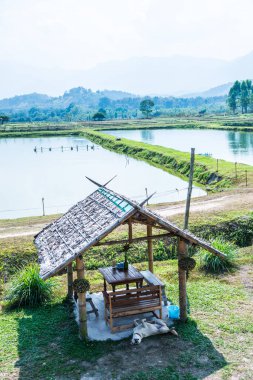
x: 130, y: 231
x: 81, y: 300
x: 182, y: 252
x: 189, y: 193
x: 70, y: 280
x: 183, y: 248
x: 150, y: 249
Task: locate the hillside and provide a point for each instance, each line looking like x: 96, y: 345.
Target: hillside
x: 79, y: 96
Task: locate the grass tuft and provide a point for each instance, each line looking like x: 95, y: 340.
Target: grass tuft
x: 215, y: 264
x: 28, y: 289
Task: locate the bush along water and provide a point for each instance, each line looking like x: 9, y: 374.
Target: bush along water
x: 28, y: 289
x: 215, y: 264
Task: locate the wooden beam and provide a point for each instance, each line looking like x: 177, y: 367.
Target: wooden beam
x: 149, y: 224
x: 134, y: 240
x: 70, y: 280
x: 81, y: 300
x: 150, y: 249
x: 182, y: 253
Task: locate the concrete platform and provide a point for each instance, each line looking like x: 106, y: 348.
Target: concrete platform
x: 99, y: 330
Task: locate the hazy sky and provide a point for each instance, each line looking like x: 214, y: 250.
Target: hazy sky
x: 77, y: 34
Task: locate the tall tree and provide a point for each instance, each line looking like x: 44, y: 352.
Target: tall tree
x: 232, y: 102
x: 244, y: 99
x: 146, y: 107
x: 4, y: 119
x: 241, y: 94
x: 234, y: 96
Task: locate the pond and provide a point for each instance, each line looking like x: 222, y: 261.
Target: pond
x: 58, y: 175
x: 229, y: 145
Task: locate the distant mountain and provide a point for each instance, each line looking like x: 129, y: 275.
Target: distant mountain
x: 174, y: 75
x: 166, y: 76
x: 26, y: 101
x: 221, y: 90
x: 78, y: 96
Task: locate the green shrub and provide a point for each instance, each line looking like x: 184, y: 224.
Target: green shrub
x: 14, y: 255
x: 28, y: 289
x: 215, y: 264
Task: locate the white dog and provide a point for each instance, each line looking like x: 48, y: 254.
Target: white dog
x: 145, y: 329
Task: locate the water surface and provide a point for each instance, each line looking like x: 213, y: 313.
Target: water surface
x: 59, y: 176
x: 229, y: 145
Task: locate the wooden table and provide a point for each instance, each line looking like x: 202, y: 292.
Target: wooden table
x: 115, y: 277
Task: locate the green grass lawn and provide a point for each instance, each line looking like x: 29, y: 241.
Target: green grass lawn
x: 215, y: 343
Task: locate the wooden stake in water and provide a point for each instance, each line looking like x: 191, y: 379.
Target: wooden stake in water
x: 43, y: 207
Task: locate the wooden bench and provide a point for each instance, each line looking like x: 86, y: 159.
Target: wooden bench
x: 151, y: 279
x: 129, y: 302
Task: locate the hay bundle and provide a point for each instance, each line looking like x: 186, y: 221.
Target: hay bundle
x: 81, y: 285
x: 187, y: 264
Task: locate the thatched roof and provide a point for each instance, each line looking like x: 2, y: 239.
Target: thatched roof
x: 88, y: 222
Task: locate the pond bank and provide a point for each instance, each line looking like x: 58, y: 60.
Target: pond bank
x: 177, y: 162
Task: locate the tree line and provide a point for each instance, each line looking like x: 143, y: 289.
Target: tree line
x: 81, y: 104
x: 240, y: 96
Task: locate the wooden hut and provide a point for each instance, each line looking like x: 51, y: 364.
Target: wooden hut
x: 88, y: 222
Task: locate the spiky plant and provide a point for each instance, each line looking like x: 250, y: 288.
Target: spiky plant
x: 215, y: 264
x: 28, y: 289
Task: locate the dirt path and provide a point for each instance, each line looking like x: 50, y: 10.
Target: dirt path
x: 242, y: 199
x: 239, y: 200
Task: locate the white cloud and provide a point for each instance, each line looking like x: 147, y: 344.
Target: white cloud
x: 77, y: 34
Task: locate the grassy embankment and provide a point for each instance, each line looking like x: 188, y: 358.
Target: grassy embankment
x: 236, y: 123
x: 243, y: 123
x: 177, y: 162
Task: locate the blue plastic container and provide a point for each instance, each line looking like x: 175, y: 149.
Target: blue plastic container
x: 173, y: 312
x: 120, y: 266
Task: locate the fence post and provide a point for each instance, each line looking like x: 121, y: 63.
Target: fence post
x: 146, y: 190
x: 43, y: 207
x: 236, y: 170
x: 246, y: 177
x: 217, y: 165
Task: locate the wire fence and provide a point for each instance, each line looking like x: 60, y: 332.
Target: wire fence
x: 46, y: 209
x: 42, y: 149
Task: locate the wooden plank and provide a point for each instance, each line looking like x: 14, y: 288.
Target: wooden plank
x: 134, y: 301
x: 135, y: 290
x: 117, y: 277
x: 151, y: 278
x: 136, y: 311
